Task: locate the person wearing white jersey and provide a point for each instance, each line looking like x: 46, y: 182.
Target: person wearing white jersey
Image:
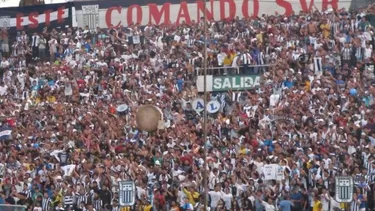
x: 325, y: 199
x: 269, y: 205
x: 227, y: 198
x: 215, y: 196
x: 367, y: 51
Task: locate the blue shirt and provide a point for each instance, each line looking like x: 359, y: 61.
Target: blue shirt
x: 35, y: 87
x: 288, y: 84
x: 340, y: 82
x: 68, y: 52
x: 87, y: 47
x: 49, y: 192
x: 348, y: 38
x: 187, y: 206
x: 180, y: 84
x: 41, y: 82
x: 363, y: 203
x: 259, y: 206
x: 269, y: 144
x: 298, y: 197
x: 51, y: 83
x: 331, y: 70
x: 59, y: 55
x: 367, y: 100
x: 285, y: 205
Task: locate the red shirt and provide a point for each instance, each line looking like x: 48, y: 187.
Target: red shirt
x: 81, y: 83
x: 11, y: 122
x: 342, y: 121
x: 160, y: 199
x: 254, y: 143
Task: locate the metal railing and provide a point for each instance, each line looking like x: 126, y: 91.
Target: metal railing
x: 10, y: 207
x: 219, y: 71
x: 231, y: 70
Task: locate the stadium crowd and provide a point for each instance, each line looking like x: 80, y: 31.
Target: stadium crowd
x: 312, y: 115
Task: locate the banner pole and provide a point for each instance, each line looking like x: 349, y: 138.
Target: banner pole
x: 205, y: 171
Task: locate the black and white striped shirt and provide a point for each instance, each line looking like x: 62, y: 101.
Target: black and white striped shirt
x: 68, y: 200
x: 246, y: 59
x: 358, y: 53
x: 27, y: 193
x: 117, y: 208
x: 371, y: 173
x: 354, y: 206
x: 82, y: 199
x: 190, y: 42
x: 346, y: 54
x: 335, y: 27
x: 46, y: 204
x: 318, y: 66
x: 236, y: 96
x: 97, y: 204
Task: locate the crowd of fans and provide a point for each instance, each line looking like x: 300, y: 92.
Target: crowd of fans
x: 313, y: 115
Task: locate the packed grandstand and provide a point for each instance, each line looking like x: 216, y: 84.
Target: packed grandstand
x: 69, y: 99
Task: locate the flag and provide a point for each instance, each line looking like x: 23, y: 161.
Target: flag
x: 5, y: 133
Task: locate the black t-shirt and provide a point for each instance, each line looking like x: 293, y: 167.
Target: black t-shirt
x: 225, y: 131
x: 108, y: 60
x: 120, y: 34
x: 199, y: 133
x: 189, y: 114
x: 104, y: 146
x: 171, y: 196
x: 174, y: 105
x: 29, y: 59
x: 99, y: 72
x: 308, y: 120
x: 320, y: 187
x: 63, y: 156
x: 305, y: 198
x: 112, y: 31
x: 2, y: 70
x: 125, y: 85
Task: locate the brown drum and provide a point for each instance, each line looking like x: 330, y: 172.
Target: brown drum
x: 148, y: 117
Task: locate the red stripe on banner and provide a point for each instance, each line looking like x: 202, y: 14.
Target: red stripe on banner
x: 34, y: 20
x: 187, y: 11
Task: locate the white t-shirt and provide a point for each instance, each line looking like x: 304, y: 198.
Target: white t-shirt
x: 342, y: 40
x: 215, y: 198
x: 325, y: 202
x: 317, y: 45
x: 227, y: 199
x: 367, y: 53
x: 327, y: 161
x: 259, y: 166
x: 181, y: 196
x: 268, y: 207
x: 234, y: 63
x: 68, y: 89
x: 4, y: 64
x: 140, y: 192
x: 334, y: 204
x: 220, y: 58
x: 3, y: 90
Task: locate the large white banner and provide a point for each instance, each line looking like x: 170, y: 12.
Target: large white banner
x: 273, y: 172
x: 124, y: 13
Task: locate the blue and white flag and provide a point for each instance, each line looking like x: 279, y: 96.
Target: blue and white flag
x: 5, y: 133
